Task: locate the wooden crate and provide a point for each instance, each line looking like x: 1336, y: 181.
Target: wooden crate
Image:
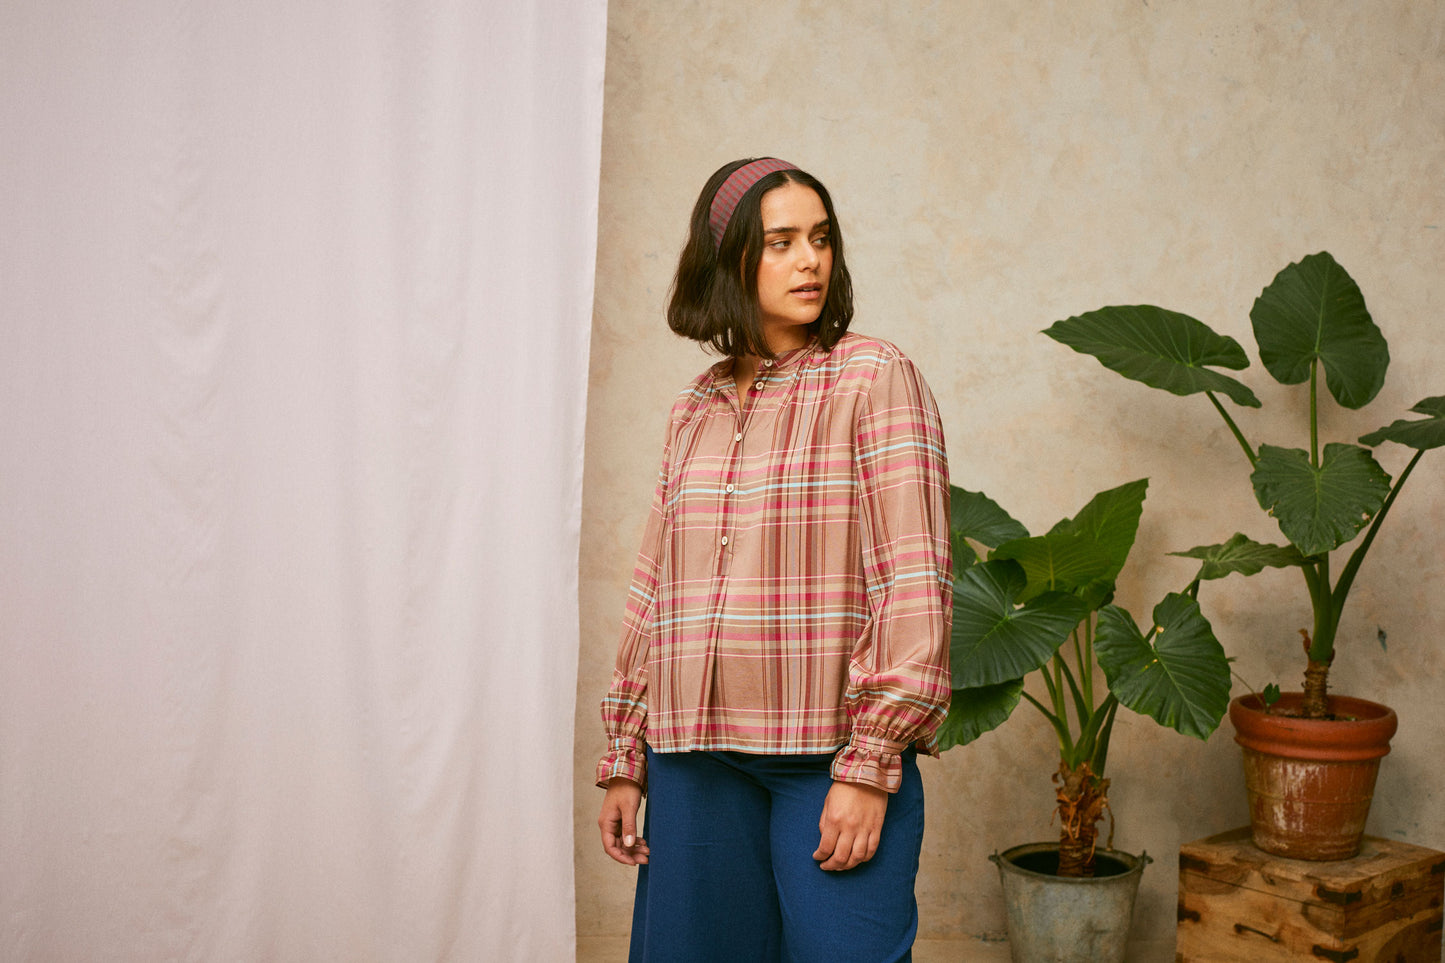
x: 1237, y: 902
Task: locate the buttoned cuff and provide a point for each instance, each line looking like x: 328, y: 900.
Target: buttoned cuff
x: 625, y: 759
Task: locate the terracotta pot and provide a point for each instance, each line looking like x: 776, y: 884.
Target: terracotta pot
x: 1310, y: 781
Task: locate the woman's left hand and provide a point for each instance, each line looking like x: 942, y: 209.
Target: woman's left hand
x: 851, y: 825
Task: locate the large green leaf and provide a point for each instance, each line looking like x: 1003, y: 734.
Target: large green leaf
x: 973, y: 515
x: 1162, y: 348
x: 994, y: 638
x: 978, y: 710
x: 1243, y: 555
x: 1421, y: 434
x: 1083, y: 554
x: 1313, y: 310
x: 1179, y: 677
x: 1057, y: 562
x: 1320, y: 509
x: 1112, y: 520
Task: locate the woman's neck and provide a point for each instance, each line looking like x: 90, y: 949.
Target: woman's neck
x: 745, y: 371
x: 745, y: 367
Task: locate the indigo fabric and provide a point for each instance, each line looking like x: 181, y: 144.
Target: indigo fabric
x: 731, y: 876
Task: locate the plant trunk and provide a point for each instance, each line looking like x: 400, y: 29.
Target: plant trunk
x: 1317, y: 683
x: 1083, y: 800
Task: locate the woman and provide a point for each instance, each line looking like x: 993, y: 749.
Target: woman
x: 784, y: 651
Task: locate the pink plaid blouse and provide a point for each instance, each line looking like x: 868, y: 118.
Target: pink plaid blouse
x: 794, y: 589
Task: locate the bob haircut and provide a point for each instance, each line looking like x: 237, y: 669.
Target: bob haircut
x: 715, y: 291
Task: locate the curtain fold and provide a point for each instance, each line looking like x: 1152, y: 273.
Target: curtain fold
x: 293, y: 361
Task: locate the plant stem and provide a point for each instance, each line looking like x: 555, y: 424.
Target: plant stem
x: 1347, y: 577
x: 1079, y: 657
x: 1056, y: 687
x: 1100, y: 756
x: 1238, y: 435
x: 1061, y: 726
x: 1083, y: 798
x: 1082, y: 708
x: 1322, y: 644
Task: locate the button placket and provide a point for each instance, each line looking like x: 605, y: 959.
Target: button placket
x: 729, y: 511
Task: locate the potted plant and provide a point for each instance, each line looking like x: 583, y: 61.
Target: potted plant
x: 1311, y: 325
x: 1042, y: 606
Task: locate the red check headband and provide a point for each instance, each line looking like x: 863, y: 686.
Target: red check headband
x: 725, y: 201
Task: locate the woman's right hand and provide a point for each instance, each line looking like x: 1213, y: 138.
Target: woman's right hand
x: 618, y: 823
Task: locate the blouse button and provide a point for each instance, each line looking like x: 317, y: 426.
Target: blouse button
x: 730, y: 489
x: 738, y: 436
x: 724, y: 539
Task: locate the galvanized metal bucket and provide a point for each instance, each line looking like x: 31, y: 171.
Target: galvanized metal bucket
x: 1054, y: 919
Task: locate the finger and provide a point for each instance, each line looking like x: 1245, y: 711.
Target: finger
x: 853, y: 850
x: 610, y: 828
x: 611, y: 842
x: 610, y: 845
x: 827, y: 842
x: 841, y: 854
x: 864, y: 845
x: 610, y: 825
x: 629, y: 827
x: 626, y: 855
x: 615, y: 843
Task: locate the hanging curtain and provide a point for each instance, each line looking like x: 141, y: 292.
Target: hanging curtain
x: 294, y: 312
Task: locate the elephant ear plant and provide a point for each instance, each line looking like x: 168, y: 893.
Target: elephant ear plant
x: 1012, y: 617
x: 1310, y: 323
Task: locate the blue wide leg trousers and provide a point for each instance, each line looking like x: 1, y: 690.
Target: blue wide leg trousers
x: 731, y: 876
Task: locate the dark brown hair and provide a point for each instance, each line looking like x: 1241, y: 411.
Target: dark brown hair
x: 715, y: 303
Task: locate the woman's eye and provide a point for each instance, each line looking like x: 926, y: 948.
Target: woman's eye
x: 822, y: 240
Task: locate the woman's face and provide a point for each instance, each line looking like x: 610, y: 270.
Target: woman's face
x: 797, y: 261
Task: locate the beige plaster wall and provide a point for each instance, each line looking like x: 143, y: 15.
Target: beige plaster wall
x: 1000, y: 165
